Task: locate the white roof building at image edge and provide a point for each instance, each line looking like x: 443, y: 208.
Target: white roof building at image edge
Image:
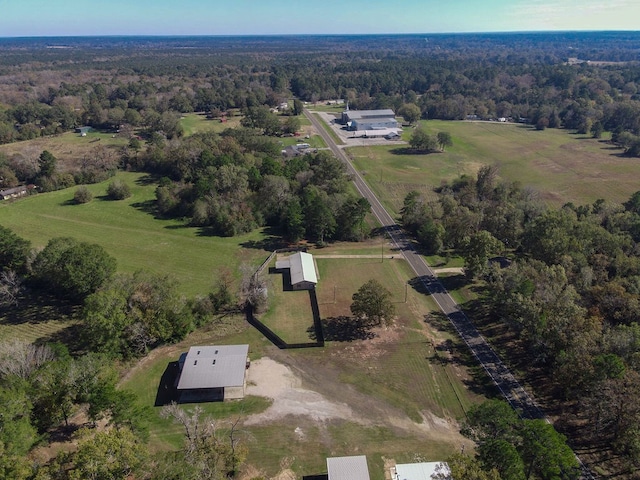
x: 348, y: 468
x: 420, y: 471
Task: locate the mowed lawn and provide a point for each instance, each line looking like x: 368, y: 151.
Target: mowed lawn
x: 128, y: 231
x: 561, y: 165
x: 407, y: 369
x: 404, y: 367
x: 289, y: 315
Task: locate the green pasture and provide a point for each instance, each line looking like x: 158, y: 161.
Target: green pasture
x: 129, y: 231
x: 408, y: 373
x: 199, y: 123
x: 323, y: 107
x: 289, y: 316
x: 376, y: 246
x: 561, y: 165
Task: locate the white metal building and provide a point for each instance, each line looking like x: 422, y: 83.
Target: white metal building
x: 302, y: 269
x: 420, y: 471
x: 348, y: 468
x: 369, y: 119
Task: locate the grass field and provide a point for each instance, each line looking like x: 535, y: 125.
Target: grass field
x: 562, y: 166
x: 289, y: 316
x: 129, y: 231
x: 410, y: 367
x: 69, y: 148
x: 407, y: 372
x: 199, y: 123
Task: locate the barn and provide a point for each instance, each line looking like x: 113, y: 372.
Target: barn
x: 15, y: 192
x: 212, y: 373
x: 302, y: 269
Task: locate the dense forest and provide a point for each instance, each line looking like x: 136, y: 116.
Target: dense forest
x: 568, y: 299
x: 568, y: 302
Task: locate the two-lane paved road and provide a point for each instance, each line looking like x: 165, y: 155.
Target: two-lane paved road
x: 512, y: 391
x: 499, y: 373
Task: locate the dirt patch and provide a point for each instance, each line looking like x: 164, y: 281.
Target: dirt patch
x: 298, y: 389
x: 268, y: 378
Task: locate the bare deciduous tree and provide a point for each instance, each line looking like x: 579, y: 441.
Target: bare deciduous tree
x: 10, y: 288
x: 22, y: 359
x: 206, y: 448
x: 253, y: 288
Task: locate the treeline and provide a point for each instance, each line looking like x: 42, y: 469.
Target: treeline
x: 145, y: 84
x: 569, y: 296
x: 232, y: 183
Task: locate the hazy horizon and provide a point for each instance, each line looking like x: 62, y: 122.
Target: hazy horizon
x: 72, y: 18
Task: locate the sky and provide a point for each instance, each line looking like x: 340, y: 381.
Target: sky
x: 272, y: 17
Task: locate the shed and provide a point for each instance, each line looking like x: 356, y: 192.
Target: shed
x: 210, y: 373
x: 420, y: 471
x: 302, y: 269
x: 15, y: 191
x: 348, y: 468
x: 83, y: 130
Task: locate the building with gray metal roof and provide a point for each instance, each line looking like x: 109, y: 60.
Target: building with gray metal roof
x: 210, y: 372
x: 369, y: 119
x: 348, y: 468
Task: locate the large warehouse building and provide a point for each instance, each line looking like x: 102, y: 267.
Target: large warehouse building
x: 369, y: 119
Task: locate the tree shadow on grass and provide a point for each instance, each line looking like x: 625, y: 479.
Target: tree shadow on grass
x: 148, y: 207
x: 412, y: 151
x: 271, y: 241
x: 343, y: 329
x: 455, y: 352
x: 148, y: 179
x: 36, y: 306
x: 72, y: 337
